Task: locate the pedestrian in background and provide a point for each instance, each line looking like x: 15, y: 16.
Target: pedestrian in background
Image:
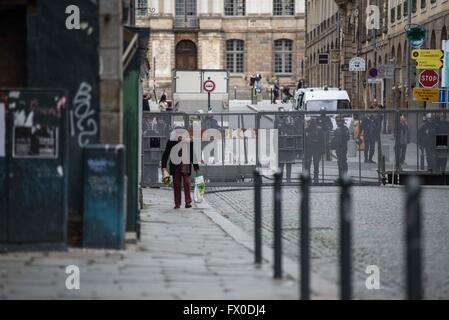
x: 340, y: 145
x: 286, y: 94
x: 287, y: 155
x: 369, y: 134
x: 404, y: 139
x: 146, y: 101
x: 378, y: 119
x: 181, y: 172
x: 276, y: 91
x: 325, y: 123
x: 163, y: 104
x: 426, y: 135
x: 314, y: 136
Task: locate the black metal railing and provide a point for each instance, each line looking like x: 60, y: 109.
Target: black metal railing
x: 413, y: 239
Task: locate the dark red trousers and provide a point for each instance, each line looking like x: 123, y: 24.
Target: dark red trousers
x: 177, y: 187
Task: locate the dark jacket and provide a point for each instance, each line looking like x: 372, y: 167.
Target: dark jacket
x: 172, y: 166
x: 314, y: 139
x: 325, y: 122
x: 426, y: 133
x: 341, y: 138
x: 369, y: 127
x: 404, y: 134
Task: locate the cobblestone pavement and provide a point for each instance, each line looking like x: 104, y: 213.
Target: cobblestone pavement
x: 378, y: 233
x: 183, y: 254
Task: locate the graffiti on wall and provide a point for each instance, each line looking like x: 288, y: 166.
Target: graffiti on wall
x: 83, y: 123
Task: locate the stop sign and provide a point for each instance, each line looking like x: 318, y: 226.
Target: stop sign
x: 429, y: 78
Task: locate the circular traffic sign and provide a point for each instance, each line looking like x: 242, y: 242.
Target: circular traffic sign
x: 209, y: 86
x: 429, y: 78
x: 373, y: 72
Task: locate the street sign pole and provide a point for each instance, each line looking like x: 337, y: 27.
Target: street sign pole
x: 209, y: 87
x: 209, y: 108
x: 409, y: 49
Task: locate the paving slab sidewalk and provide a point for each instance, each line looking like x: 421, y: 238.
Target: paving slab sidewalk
x: 183, y: 254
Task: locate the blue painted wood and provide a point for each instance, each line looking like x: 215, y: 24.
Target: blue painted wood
x: 104, y: 216
x: 36, y: 172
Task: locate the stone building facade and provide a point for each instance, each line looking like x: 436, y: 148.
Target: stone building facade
x: 244, y: 37
x: 345, y: 23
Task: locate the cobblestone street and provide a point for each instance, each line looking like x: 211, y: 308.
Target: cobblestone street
x: 378, y: 233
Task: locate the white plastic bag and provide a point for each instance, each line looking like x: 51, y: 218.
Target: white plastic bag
x: 198, y: 193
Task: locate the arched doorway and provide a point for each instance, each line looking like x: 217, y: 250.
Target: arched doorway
x: 186, y: 55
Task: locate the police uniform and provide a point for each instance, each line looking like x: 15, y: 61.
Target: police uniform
x: 314, y: 136
x: 340, y: 144
x: 287, y: 154
x: 326, y: 124
x: 426, y: 135
x: 369, y: 129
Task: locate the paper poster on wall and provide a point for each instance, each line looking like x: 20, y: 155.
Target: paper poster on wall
x: 32, y: 142
x: 2, y: 129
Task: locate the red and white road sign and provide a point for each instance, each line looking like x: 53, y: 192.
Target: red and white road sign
x: 429, y: 78
x: 209, y: 86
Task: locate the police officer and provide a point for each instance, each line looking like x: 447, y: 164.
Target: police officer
x: 340, y: 145
x: 287, y: 154
x: 314, y: 136
x: 426, y: 135
x: 369, y: 133
x: 325, y: 123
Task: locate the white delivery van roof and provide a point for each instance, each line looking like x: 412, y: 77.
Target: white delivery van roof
x: 326, y: 95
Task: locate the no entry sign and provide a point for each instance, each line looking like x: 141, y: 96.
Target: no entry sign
x: 428, y: 78
x: 209, y: 86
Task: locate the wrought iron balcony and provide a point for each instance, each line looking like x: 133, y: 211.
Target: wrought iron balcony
x: 186, y: 22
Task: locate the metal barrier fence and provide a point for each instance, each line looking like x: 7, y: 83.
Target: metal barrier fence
x: 412, y: 235
x: 372, y: 147
x: 255, y: 96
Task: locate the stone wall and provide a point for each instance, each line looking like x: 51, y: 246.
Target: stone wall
x: 111, y: 72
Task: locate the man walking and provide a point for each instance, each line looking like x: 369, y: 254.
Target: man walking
x: 276, y: 91
x: 181, y: 172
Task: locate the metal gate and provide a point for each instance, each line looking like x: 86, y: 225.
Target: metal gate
x: 33, y: 171
x: 369, y: 146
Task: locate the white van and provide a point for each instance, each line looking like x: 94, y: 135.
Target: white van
x: 332, y: 99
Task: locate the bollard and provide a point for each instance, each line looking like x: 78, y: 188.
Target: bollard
x: 257, y: 217
x: 345, y: 239
x: 304, y: 239
x: 277, y: 226
x: 413, y: 238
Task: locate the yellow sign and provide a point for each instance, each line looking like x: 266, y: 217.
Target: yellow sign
x: 335, y: 56
x: 426, y: 94
x: 429, y: 64
x: 424, y: 54
x: 428, y: 59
